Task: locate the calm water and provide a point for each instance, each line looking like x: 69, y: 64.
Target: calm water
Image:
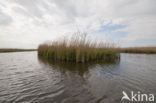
x: 26, y: 78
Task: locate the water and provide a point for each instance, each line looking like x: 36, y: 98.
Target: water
x: 26, y: 78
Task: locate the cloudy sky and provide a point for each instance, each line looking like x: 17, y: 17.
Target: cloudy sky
x: 27, y: 23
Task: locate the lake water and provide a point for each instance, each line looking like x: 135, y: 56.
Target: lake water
x: 26, y: 78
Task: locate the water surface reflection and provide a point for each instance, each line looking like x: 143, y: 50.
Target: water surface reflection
x: 78, y: 68
x: 25, y: 78
x: 84, y: 82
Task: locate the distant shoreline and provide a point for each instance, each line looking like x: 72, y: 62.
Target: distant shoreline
x: 138, y: 50
x: 16, y: 50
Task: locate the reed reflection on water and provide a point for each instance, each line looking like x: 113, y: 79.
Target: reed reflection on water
x: 79, y: 68
x: 81, y: 81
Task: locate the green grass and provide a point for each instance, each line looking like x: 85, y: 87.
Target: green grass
x: 78, y: 49
x: 16, y: 50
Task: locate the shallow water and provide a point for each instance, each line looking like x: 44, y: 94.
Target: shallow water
x: 26, y: 78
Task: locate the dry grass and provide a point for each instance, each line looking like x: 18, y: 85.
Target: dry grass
x: 78, y: 48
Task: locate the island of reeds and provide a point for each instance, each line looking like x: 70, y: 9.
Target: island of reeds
x: 79, y: 49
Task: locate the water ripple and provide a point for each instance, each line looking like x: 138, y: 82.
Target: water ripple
x: 25, y: 80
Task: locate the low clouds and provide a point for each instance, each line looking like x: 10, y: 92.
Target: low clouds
x: 35, y: 21
x: 4, y: 19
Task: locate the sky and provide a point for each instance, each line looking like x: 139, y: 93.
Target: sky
x: 27, y: 23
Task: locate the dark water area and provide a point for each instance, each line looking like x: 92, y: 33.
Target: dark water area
x: 25, y: 78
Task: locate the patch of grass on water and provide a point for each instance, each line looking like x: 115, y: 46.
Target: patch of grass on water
x: 78, y: 49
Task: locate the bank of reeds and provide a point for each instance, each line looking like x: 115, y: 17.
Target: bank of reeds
x: 78, y: 49
x: 146, y: 50
x: 15, y: 50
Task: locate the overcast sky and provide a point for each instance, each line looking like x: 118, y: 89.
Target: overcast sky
x: 27, y: 23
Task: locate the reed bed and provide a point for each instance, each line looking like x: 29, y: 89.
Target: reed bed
x: 79, y: 49
x: 16, y: 50
x: 147, y: 50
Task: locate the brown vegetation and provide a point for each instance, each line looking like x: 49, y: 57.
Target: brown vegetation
x: 16, y: 50
x: 78, y: 48
x: 148, y: 50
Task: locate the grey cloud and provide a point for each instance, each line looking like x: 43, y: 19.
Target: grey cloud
x: 31, y: 7
x: 5, y: 19
x: 36, y: 10
x: 73, y: 8
x: 68, y: 11
x: 134, y: 8
x: 67, y: 6
x: 51, y: 17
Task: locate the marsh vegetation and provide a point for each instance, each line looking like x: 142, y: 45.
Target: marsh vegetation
x: 78, y: 48
x: 147, y: 50
x: 15, y: 50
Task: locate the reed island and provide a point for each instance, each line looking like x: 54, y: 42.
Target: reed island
x: 78, y: 49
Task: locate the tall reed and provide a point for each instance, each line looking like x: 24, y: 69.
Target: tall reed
x: 78, y: 48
